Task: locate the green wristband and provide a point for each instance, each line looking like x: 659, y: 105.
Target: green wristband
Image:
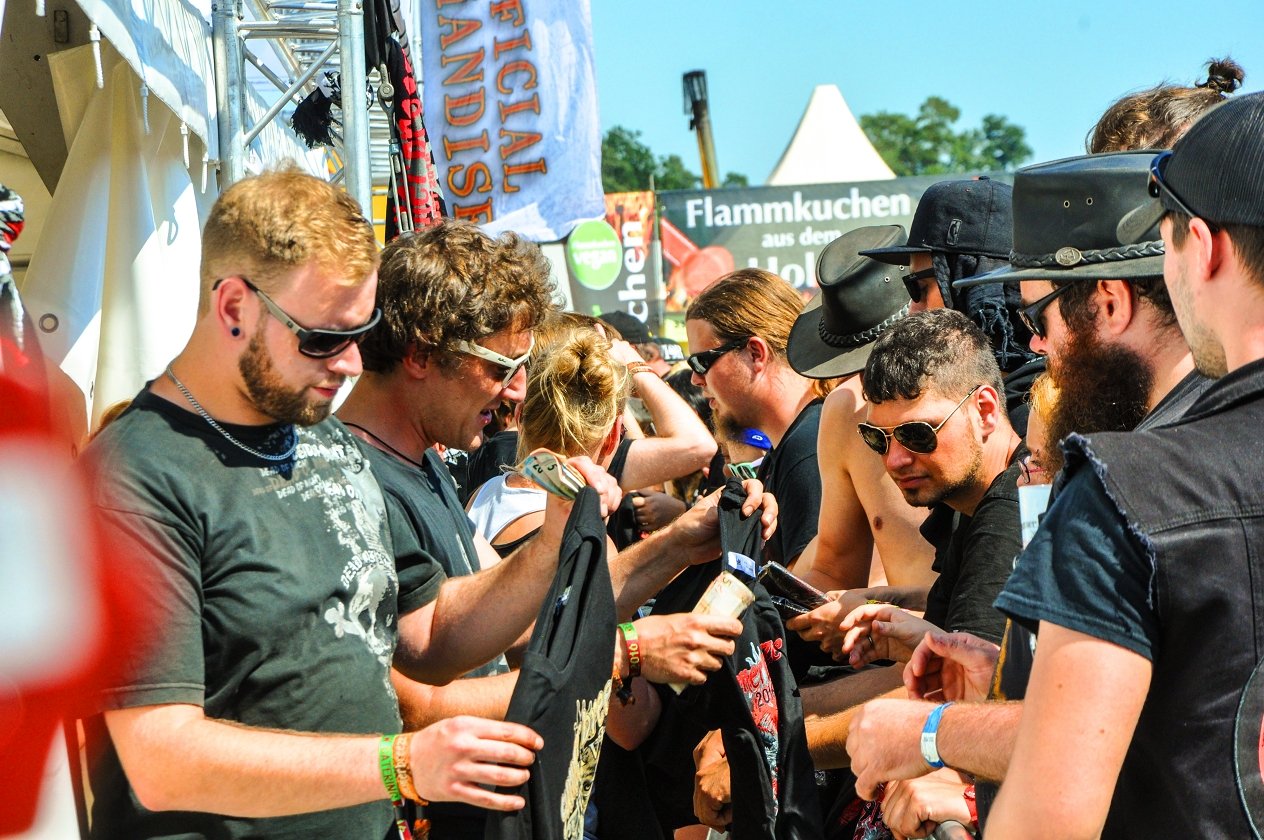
x: 386, y: 763
x: 633, y: 648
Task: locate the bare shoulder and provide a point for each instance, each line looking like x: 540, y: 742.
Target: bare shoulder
x: 846, y: 402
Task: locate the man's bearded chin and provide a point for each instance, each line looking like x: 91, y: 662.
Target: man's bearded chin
x: 726, y: 425
x: 269, y: 393
x: 1101, y: 388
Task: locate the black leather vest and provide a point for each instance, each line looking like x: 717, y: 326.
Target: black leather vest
x: 1195, y: 491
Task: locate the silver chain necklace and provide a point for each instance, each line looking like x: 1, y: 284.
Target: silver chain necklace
x: 284, y: 456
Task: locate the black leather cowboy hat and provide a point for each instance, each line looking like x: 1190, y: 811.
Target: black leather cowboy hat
x: 859, y: 299
x: 1065, y: 218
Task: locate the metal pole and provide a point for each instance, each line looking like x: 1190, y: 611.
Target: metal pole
x: 284, y: 99
x: 355, y: 116
x: 697, y: 106
x: 230, y: 80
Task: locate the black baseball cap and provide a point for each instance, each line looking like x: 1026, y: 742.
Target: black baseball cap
x: 632, y: 328
x: 1214, y: 172
x: 973, y: 216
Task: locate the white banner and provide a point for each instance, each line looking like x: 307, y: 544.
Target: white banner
x: 511, y: 109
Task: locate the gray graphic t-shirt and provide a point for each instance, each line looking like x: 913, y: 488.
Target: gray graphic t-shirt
x: 272, y: 591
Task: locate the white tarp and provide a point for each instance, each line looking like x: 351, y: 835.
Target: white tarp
x: 112, y: 288
x: 828, y: 146
x: 168, y: 45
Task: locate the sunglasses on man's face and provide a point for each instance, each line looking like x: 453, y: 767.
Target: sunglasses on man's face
x: 701, y: 362
x: 318, y: 343
x: 1033, y: 316
x: 917, y: 436
x: 510, y: 366
x: 913, y: 282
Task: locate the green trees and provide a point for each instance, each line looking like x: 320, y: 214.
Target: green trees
x: 927, y: 144
x: 627, y: 164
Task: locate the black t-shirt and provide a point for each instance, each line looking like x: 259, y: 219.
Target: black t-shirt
x: 275, y: 590
x: 752, y: 699
x: 563, y: 690
x: 974, y: 556
x: 790, y: 472
x: 422, y: 504
x: 1018, y: 647
x: 622, y: 527
x: 499, y: 450
x: 1083, y: 549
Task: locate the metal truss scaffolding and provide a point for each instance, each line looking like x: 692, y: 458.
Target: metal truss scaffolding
x: 307, y: 38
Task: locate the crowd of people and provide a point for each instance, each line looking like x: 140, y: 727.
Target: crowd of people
x: 345, y: 629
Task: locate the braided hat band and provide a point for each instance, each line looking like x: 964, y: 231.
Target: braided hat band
x: 860, y: 339
x: 1069, y: 257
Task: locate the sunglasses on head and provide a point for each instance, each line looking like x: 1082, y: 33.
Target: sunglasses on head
x: 1159, y: 187
x: 315, y: 344
x: 917, y: 436
x: 510, y: 366
x: 701, y: 362
x: 1033, y: 316
x: 913, y: 282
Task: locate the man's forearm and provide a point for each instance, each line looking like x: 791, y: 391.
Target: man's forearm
x: 828, y: 709
x: 501, y: 602
x: 978, y: 738
x: 421, y: 704
x: 642, y: 569
x: 178, y: 760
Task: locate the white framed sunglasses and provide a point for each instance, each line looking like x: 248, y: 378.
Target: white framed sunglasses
x: 510, y: 366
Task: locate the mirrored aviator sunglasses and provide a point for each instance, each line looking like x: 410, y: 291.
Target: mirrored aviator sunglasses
x: 916, y: 436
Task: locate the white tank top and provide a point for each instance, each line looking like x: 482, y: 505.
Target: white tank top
x: 496, y: 504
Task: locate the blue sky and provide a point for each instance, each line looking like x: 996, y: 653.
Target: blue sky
x: 1050, y: 67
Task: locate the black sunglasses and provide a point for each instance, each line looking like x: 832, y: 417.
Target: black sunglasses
x: 1033, y: 316
x: 315, y: 344
x: 1158, y: 187
x: 913, y: 282
x: 916, y: 436
x: 701, y: 362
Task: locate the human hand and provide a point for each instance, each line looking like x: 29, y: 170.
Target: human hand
x: 914, y: 807
x: 453, y: 758
x: 951, y: 666
x: 624, y: 352
x: 881, y: 631
x: 884, y: 743
x: 712, y: 794
x: 655, y: 510
x: 697, y: 531
x: 683, y: 647
x: 596, y: 477
x: 822, y: 624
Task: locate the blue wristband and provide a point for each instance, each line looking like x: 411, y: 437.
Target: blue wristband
x: 930, y: 735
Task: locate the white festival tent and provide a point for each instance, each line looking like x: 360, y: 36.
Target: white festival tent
x: 828, y: 147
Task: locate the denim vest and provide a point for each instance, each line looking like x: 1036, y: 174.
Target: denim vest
x: 1194, y: 493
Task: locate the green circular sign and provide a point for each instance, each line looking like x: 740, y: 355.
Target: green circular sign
x: 594, y: 254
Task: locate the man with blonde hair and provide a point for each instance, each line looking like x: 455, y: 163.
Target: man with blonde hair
x: 267, y: 561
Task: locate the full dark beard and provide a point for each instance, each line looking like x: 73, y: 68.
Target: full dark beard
x: 1101, y: 388
x: 268, y: 392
